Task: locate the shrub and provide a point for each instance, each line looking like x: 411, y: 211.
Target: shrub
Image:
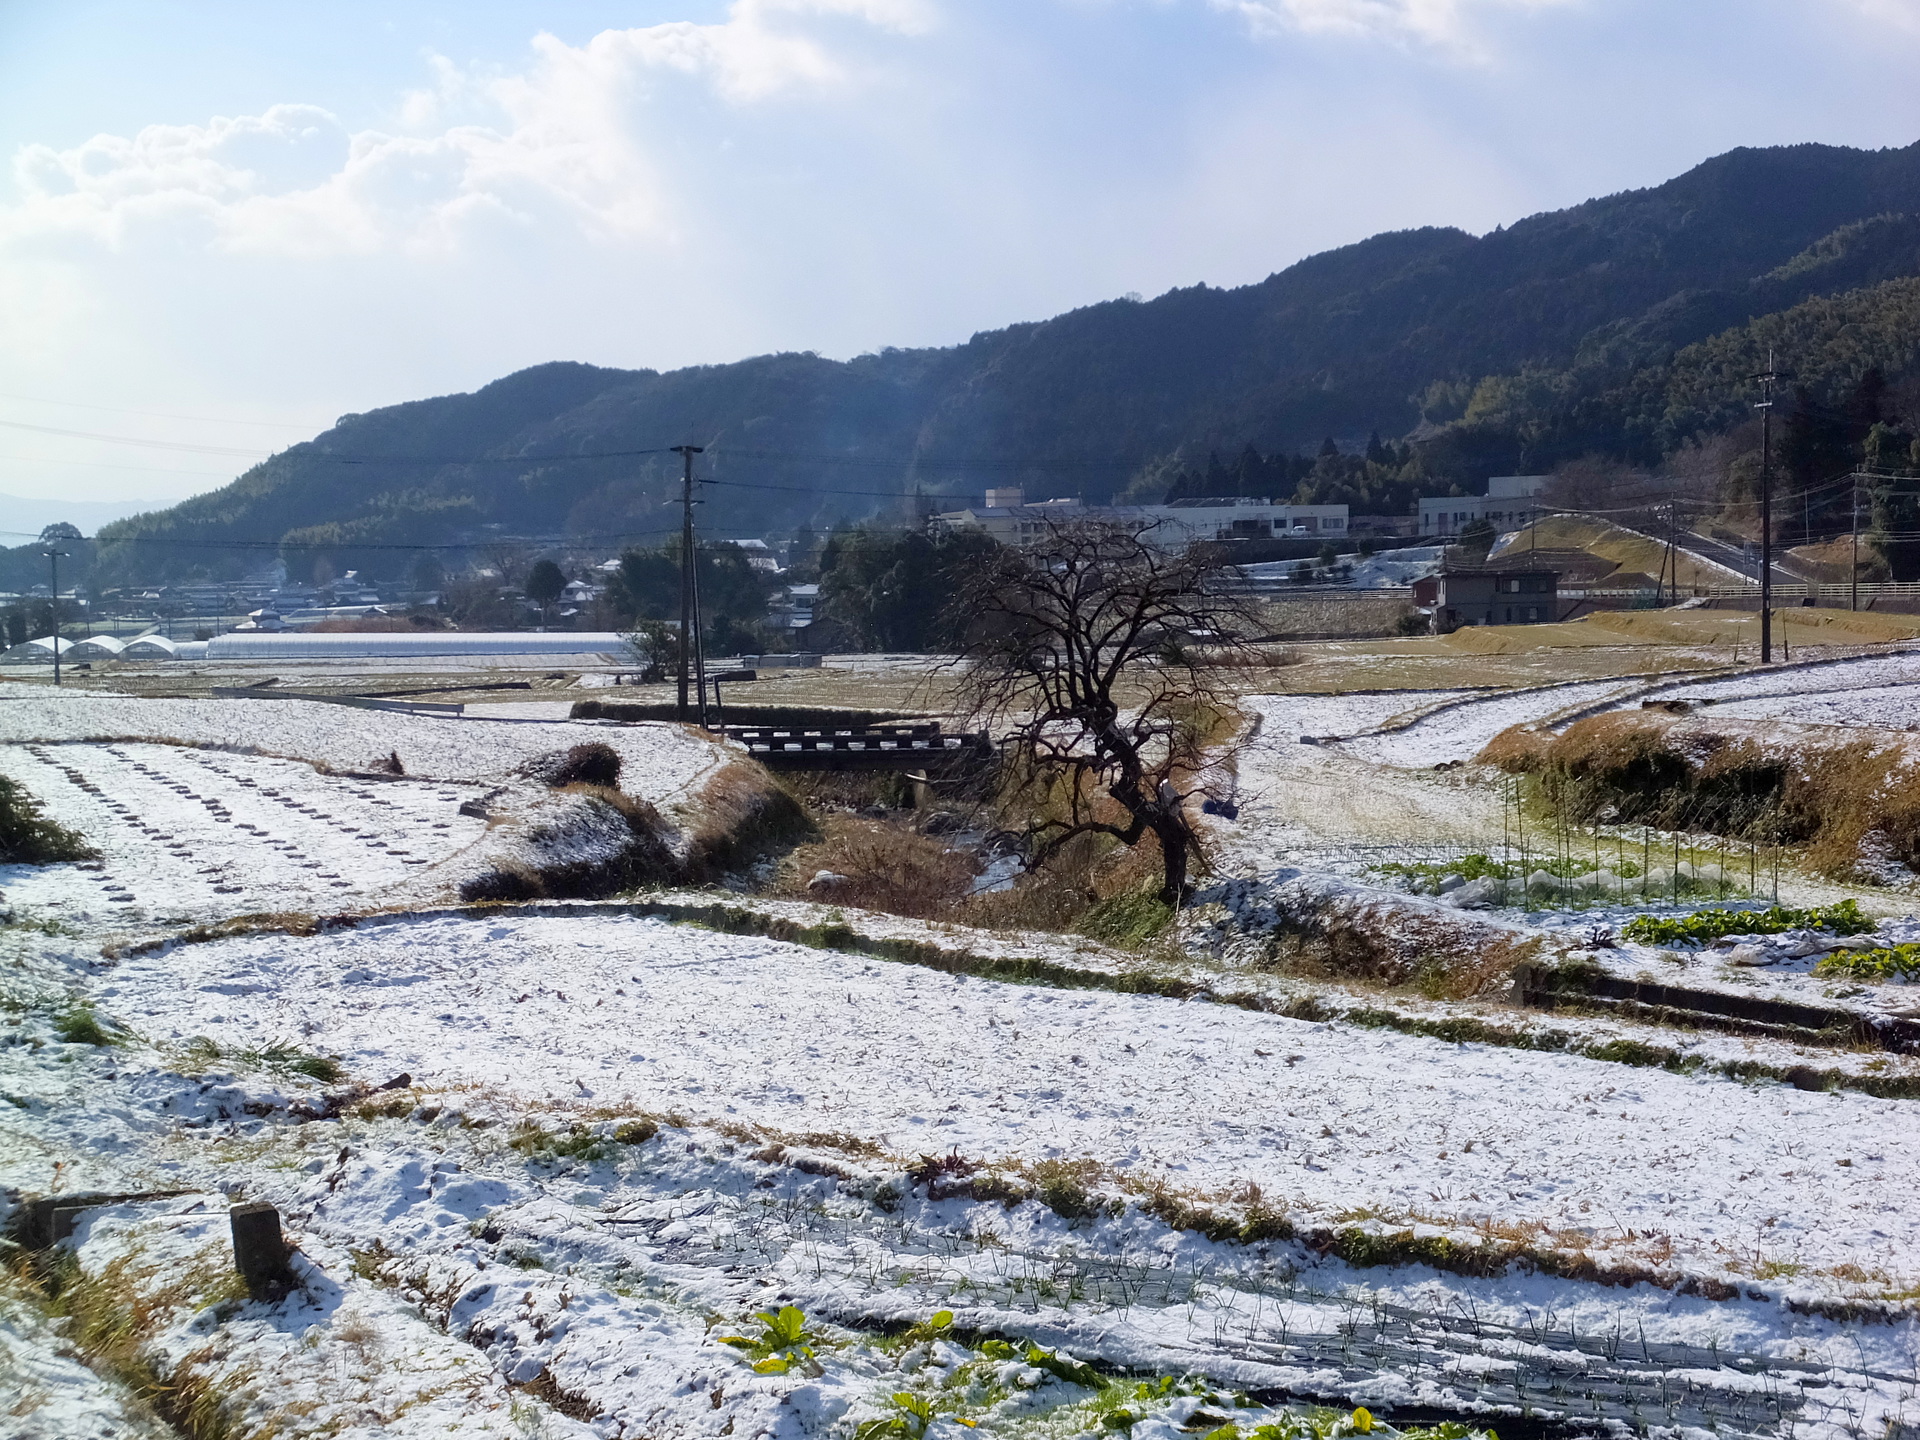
x: 594, y: 763
x: 28, y: 838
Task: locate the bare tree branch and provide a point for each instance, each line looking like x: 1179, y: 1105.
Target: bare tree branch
x: 1098, y: 656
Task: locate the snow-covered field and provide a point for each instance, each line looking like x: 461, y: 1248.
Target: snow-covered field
x: 595, y: 1266
x: 191, y: 833
x: 641, y: 1015
x: 279, y: 805
x: 660, y: 762
x: 607, y: 1140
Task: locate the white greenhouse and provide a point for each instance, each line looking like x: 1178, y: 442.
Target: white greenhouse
x: 349, y: 645
x: 36, y: 652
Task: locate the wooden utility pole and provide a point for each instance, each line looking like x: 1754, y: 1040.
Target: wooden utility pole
x: 1766, y: 378
x: 689, y: 589
x: 53, y: 561
x: 1853, y: 574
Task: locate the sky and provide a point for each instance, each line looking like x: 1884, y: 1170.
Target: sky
x: 222, y: 225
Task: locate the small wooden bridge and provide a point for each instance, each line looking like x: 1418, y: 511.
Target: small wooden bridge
x: 905, y: 746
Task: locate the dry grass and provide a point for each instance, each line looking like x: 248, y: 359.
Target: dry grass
x: 745, y: 814
x: 1840, y: 798
x: 644, y: 859
x: 115, y: 1314
x: 1628, y: 550
x: 887, y: 866
x: 1358, y: 618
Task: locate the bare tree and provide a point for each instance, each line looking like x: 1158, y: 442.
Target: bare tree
x: 1098, y: 656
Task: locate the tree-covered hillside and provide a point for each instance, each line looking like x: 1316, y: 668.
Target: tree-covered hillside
x: 1622, y: 327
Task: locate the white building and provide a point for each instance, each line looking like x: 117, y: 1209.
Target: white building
x: 1509, y: 504
x: 1008, y: 518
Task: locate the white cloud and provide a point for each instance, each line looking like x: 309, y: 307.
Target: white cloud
x: 1444, y: 24
x: 558, y: 138
x: 1903, y: 14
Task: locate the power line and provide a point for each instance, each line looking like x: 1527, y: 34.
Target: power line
x: 130, y: 440
x: 160, y: 414
x: 110, y: 465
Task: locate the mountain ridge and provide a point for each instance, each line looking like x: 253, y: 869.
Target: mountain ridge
x: 1401, y: 330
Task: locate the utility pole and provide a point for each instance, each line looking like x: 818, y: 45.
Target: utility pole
x: 53, y: 562
x: 1766, y: 378
x: 689, y: 587
x: 1853, y: 574
x: 1672, y: 565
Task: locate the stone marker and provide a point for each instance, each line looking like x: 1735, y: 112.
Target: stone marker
x: 259, y: 1250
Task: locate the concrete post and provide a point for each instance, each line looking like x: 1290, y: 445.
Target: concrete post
x: 259, y: 1249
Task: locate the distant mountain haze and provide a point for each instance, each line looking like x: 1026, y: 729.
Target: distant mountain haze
x: 21, y: 515
x: 1617, y: 327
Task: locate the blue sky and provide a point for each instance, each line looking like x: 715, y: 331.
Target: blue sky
x: 222, y: 225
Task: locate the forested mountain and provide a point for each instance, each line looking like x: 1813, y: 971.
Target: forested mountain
x: 1622, y: 327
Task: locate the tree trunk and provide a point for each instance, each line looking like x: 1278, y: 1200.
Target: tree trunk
x: 1174, y: 839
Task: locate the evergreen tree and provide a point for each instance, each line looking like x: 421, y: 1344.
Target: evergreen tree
x: 1814, y: 450
x: 1894, y: 455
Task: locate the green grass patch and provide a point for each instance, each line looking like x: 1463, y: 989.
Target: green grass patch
x: 580, y: 1142
x: 201, y: 1053
x: 78, y: 1024
x: 1127, y: 920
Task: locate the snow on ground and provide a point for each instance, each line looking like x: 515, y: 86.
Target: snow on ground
x: 229, y: 817
x: 659, y: 762
x: 593, y: 1267
x: 1226, y: 955
x: 50, y: 1393
x: 1882, y: 707
x: 642, y: 1014
x: 1460, y: 731
x: 1390, y: 569
x: 187, y: 834
x: 1297, y: 797
x: 1873, y: 691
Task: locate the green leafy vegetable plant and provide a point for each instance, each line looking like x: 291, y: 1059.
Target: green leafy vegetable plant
x: 1704, y: 926
x: 932, y: 1328
x: 909, y: 1421
x: 783, y: 1343
x: 1052, y: 1361
x: 1331, y: 1424
x: 1887, y: 962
